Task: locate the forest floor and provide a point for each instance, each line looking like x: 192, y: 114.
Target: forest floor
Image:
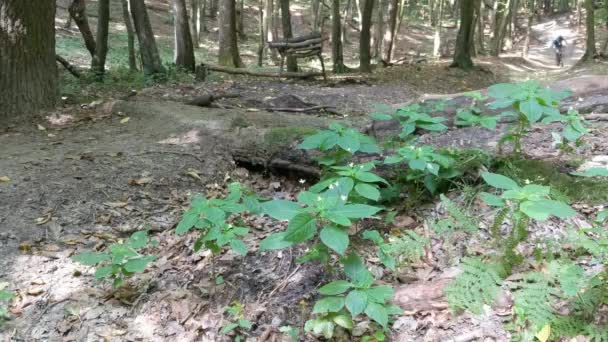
x: 86, y: 175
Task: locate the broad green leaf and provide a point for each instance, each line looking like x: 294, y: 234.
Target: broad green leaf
x: 188, y: 221
x: 378, y: 313
x: 356, y: 271
x: 238, y: 246
x: 531, y: 109
x: 281, y: 209
x: 393, y: 159
x: 228, y: 328
x: 315, y: 140
x: 120, y: 252
x: 368, y: 191
x: 602, y: 216
x: 245, y: 324
x: 319, y: 327
x: 328, y: 304
x: 274, y: 241
x: 91, y: 258
x: 344, y: 321
x: 355, y: 302
x: 302, y: 227
x: 320, y: 186
x: 369, y: 177
x: 349, y: 142
x: 592, y: 172
x: 139, y: 265
x: 104, y: 272
x: 499, y: 181
x: 138, y: 239
x: 491, y: 199
x: 417, y: 164
x: 381, y: 116
x: 335, y: 238
x: 356, y: 211
x: 542, y: 209
x: 335, y: 288
x: 373, y: 235
x: 380, y: 294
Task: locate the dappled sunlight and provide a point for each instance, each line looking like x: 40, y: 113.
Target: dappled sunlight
x: 190, y: 137
x: 60, y: 119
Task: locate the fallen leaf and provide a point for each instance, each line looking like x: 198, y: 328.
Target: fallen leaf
x: 194, y: 174
x: 35, y: 291
x: 43, y: 220
x: 4, y: 179
x: 41, y: 128
x: 125, y: 120
x: 544, y: 333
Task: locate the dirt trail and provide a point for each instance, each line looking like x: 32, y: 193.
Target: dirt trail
x: 546, y: 31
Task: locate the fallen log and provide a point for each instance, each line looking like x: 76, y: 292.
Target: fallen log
x: 237, y: 71
x: 69, y: 67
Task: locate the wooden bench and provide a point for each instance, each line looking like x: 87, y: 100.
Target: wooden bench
x: 300, y: 47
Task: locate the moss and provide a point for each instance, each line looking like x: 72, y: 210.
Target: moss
x: 287, y: 135
x: 563, y: 185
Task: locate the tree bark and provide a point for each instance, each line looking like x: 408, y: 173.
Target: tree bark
x: 359, y: 7
x: 438, y: 24
x: 462, y: 56
x: 98, y: 63
x: 240, y: 20
x: 389, y: 34
x: 183, y: 51
x: 78, y: 11
x: 150, y: 58
x: 500, y: 28
x: 531, y: 6
x: 378, y: 29
x: 229, y: 48
x: 337, y: 55
x: 126, y: 15
x: 262, y: 26
x: 365, y: 37
x: 194, y: 20
x: 213, y: 8
x: 480, y: 28
x: 590, y: 51
x: 345, y: 14
x: 400, y: 17
x: 28, y: 80
x: 292, y: 65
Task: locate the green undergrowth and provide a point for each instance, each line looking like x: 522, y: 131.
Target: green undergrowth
x: 575, y: 189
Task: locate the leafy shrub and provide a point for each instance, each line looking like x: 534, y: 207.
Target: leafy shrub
x: 411, y: 118
x: 478, y: 284
x: 120, y: 260
x: 238, y: 324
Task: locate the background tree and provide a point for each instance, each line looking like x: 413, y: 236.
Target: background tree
x: 98, y: 62
x: 150, y: 58
x: 126, y: 15
x: 365, y: 36
x: 228, y: 44
x: 28, y: 80
x: 337, y: 56
x: 184, y: 51
x: 389, y: 34
x: 462, y: 54
x: 78, y: 11
x: 590, y: 51
x: 292, y: 64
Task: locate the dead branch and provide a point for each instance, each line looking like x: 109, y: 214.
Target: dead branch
x: 329, y: 109
x: 69, y: 67
x: 237, y: 71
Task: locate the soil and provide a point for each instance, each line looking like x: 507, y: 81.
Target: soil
x: 86, y: 175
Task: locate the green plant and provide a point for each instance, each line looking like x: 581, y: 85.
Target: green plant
x: 238, y: 324
x: 365, y: 183
x: 572, y: 132
x: 426, y: 165
x: 292, y: 332
x: 477, y: 285
x: 356, y: 296
x: 412, y: 117
x: 531, y: 103
x: 4, y: 295
x: 409, y: 247
x: 377, y: 336
x: 120, y: 260
x: 210, y: 216
x: 338, y: 144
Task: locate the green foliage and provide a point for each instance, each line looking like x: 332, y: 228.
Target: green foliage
x: 531, y: 102
x: 292, y: 332
x: 210, y: 216
x: 238, y: 324
x: 411, y: 118
x: 365, y: 183
x: 4, y: 296
x: 457, y: 219
x: 473, y: 117
x: 120, y: 260
x: 477, y: 285
x: 409, y: 247
x: 573, y: 130
x: 532, y: 298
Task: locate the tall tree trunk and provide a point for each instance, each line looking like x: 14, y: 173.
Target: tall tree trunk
x: 579, y: 14
x: 213, y: 8
x: 240, y: 22
x: 150, y: 58
x: 359, y: 6
x: 345, y: 14
x: 500, y: 29
x: 98, y: 63
x: 194, y: 10
x: 269, y: 32
x: 262, y: 27
x: 462, y: 56
x: 126, y: 17
x: 337, y: 56
x: 438, y: 24
x: 530, y: 8
x: 480, y: 28
x: 590, y: 51
x: 292, y: 64
x: 365, y: 37
x: 229, y: 48
x: 400, y: 17
x: 314, y: 9
x: 472, y: 50
x: 389, y: 34
x: 183, y: 51
x: 378, y: 29
x: 28, y: 80
x: 78, y: 11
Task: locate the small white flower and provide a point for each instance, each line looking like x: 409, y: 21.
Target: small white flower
x: 343, y: 197
x: 348, y: 149
x: 302, y: 181
x: 351, y: 165
x: 331, y: 186
x: 318, y: 198
x: 527, y: 181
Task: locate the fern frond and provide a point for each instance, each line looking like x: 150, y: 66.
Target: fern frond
x: 532, y: 300
x: 409, y: 247
x: 596, y: 333
x: 478, y: 284
x: 460, y: 219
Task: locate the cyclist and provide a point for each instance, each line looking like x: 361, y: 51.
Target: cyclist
x: 558, y: 45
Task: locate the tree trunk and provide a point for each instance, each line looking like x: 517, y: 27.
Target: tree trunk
x: 462, y: 56
x: 126, y: 16
x: 194, y: 10
x: 358, y: 6
x: 78, y: 11
x: 530, y: 9
x: 315, y: 14
x: 500, y: 29
x: 378, y: 29
x: 590, y: 51
x: 240, y: 22
x: 201, y: 25
x: 98, y: 63
x: 262, y: 27
x: 28, y: 70
x: 389, y: 34
x: 472, y: 50
x: 480, y: 28
x: 438, y: 24
x: 213, y: 7
x: 183, y: 53
x: 337, y: 56
x: 150, y: 58
x: 345, y: 14
x: 400, y: 18
x: 229, y: 48
x: 365, y: 37
x: 292, y: 65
